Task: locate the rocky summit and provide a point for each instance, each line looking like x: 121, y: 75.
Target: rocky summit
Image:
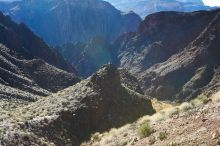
x: 95, y: 104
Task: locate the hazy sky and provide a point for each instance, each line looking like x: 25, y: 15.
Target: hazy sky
x: 212, y: 2
x: 207, y: 2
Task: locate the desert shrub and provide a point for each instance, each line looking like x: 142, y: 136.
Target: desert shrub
x: 124, y: 143
x: 216, y: 97
x: 160, y: 116
x: 162, y: 135
x: 185, y: 106
x: 145, y: 130
x: 201, y: 99
x: 204, y: 99
x: 173, y: 111
x: 152, y: 140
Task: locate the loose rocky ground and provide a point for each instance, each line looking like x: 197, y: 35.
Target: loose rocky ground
x: 189, y: 124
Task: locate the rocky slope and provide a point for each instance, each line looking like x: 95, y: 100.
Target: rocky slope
x: 159, y: 36
x: 189, y: 72
x: 19, y: 38
x: 187, y: 125
x: 146, y: 7
x: 95, y: 104
x: 27, y: 79
x: 158, y: 47
x: 63, y: 21
x: 27, y: 64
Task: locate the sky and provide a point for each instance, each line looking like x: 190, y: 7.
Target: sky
x: 207, y: 2
x: 212, y: 2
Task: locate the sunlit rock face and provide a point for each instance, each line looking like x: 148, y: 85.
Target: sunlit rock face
x: 62, y: 21
x: 146, y: 7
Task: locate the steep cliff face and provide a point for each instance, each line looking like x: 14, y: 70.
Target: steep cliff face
x: 95, y: 104
x: 63, y: 21
x: 191, y: 71
x: 149, y: 54
x: 146, y: 7
x: 160, y: 36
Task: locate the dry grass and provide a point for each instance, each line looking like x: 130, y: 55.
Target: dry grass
x: 160, y: 105
x: 129, y: 134
x: 145, y: 130
x: 216, y: 97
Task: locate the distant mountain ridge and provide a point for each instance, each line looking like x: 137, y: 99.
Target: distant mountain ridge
x: 63, y: 21
x: 146, y: 7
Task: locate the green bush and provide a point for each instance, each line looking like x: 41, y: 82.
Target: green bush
x: 145, y: 130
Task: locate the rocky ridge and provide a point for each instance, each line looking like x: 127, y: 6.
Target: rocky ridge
x: 158, y: 60
x: 84, y: 19
x: 197, y: 65
x: 27, y: 79
x: 95, y: 104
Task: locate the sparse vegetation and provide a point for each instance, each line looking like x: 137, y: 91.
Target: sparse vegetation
x: 152, y: 140
x: 201, y: 99
x: 145, y: 130
x: 185, y: 106
x: 216, y: 97
x: 162, y: 136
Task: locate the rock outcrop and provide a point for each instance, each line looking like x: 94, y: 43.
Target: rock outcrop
x: 64, y: 21
x: 95, y: 104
